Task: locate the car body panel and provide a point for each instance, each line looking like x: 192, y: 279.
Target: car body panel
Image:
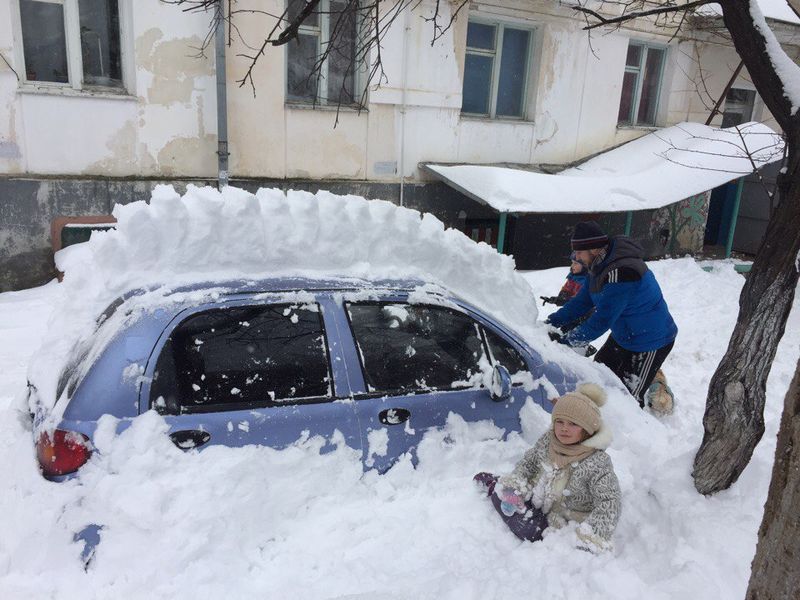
x: 411, y: 415
x: 274, y: 426
x: 119, y: 381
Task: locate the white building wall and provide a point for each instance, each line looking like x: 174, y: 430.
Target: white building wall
x: 166, y: 124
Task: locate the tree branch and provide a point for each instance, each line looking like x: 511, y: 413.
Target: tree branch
x: 603, y: 21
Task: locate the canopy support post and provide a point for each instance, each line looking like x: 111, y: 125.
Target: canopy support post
x: 501, y: 232
x: 734, y: 217
x: 628, y: 223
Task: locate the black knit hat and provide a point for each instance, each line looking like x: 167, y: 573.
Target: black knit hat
x: 588, y: 235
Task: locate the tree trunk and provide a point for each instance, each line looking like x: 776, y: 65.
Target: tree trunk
x: 775, y: 572
x: 734, y: 415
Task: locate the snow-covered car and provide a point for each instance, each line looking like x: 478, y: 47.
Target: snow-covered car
x: 369, y: 364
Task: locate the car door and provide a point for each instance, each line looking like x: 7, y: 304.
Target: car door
x: 248, y: 371
x: 418, y: 363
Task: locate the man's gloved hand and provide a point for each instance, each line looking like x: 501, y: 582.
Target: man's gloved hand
x: 556, y: 336
x: 549, y: 299
x: 511, y: 501
x: 587, y: 350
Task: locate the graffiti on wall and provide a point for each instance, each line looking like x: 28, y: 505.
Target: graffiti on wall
x: 680, y: 227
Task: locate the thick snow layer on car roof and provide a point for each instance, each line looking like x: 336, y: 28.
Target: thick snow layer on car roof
x: 208, y: 236
x: 658, y: 169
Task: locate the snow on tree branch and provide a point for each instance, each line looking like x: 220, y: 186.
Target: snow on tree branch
x: 786, y: 69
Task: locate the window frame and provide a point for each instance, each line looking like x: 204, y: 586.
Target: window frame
x: 322, y: 32
x: 497, y: 54
x: 492, y: 360
x: 72, y: 33
x: 640, y: 71
x: 184, y: 316
x: 739, y: 107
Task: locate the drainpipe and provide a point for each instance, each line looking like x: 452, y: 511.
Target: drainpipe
x: 222, y: 104
x: 402, y: 165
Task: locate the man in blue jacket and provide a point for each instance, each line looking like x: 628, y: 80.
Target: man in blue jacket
x: 626, y: 299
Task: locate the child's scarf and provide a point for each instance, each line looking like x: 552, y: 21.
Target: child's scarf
x: 563, y: 454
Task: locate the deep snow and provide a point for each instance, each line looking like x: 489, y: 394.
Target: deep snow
x: 256, y: 522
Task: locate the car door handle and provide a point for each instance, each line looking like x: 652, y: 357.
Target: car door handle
x: 394, y: 416
x: 187, y: 439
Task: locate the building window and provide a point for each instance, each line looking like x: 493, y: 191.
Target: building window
x: 738, y: 107
x: 71, y: 43
x: 321, y: 61
x: 641, y: 85
x: 495, y: 70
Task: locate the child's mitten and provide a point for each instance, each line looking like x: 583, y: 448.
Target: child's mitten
x: 511, y: 501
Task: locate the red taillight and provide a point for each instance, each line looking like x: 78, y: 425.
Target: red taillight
x: 61, y: 452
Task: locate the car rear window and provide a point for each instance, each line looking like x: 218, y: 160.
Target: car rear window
x: 416, y: 348
x: 243, y: 356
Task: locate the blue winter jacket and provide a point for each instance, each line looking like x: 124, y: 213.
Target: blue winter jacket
x: 627, y: 300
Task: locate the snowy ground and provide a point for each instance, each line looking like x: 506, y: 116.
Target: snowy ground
x: 254, y: 522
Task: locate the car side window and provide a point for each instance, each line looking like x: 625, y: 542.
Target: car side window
x: 504, y: 353
x: 416, y: 348
x: 248, y: 356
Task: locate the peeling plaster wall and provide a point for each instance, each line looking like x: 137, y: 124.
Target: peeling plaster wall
x: 101, y: 149
x: 11, y: 151
x: 165, y: 123
x: 256, y: 122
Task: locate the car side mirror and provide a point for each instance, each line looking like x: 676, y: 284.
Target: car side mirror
x: 501, y: 384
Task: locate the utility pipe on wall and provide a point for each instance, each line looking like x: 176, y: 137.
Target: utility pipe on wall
x: 402, y: 161
x: 222, y: 103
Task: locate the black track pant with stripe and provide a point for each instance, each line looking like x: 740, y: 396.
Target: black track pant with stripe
x: 635, y: 369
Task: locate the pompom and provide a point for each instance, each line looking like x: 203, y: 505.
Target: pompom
x: 594, y: 392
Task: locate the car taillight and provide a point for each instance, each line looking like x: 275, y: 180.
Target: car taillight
x: 61, y: 452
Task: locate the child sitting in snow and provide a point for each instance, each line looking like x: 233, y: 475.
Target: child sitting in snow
x: 566, y: 476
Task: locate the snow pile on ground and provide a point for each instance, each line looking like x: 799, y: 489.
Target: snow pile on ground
x: 256, y: 522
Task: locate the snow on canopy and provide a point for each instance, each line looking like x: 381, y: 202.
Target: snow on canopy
x: 655, y: 170
x: 208, y: 236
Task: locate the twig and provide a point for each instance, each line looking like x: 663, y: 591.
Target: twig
x: 9, y: 66
x: 602, y: 21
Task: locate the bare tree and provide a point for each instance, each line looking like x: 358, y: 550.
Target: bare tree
x: 353, y: 44
x: 776, y: 572
x: 734, y: 415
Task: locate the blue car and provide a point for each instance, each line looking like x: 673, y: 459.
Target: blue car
x: 372, y: 364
